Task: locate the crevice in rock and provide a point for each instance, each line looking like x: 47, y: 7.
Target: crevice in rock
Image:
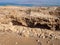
x: 43, y: 26
x: 57, y: 27
x: 38, y: 25
x: 16, y: 22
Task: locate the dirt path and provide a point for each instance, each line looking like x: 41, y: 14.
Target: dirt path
x: 13, y: 39
x: 7, y: 38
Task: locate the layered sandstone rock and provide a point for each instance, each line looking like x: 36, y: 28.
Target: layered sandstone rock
x: 39, y: 17
x: 33, y: 17
x: 29, y: 25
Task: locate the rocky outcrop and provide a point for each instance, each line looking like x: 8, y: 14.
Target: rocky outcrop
x: 29, y: 25
x: 39, y: 17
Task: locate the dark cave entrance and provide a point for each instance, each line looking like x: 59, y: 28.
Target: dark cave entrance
x: 16, y: 22
x: 42, y: 26
x: 57, y: 27
x: 38, y: 25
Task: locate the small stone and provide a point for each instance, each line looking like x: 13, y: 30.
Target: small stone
x: 43, y: 37
x: 16, y: 43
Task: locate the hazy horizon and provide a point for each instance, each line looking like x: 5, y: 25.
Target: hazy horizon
x: 35, y: 2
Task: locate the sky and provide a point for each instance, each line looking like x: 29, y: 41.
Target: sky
x: 31, y: 1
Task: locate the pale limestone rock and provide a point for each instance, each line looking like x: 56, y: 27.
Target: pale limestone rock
x: 27, y: 21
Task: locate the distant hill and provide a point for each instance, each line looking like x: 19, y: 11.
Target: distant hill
x: 16, y: 4
x: 4, y: 4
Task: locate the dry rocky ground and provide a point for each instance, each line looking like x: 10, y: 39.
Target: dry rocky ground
x: 29, y: 25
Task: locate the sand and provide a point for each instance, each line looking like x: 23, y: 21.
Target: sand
x: 10, y: 38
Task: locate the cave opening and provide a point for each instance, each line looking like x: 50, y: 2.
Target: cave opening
x: 57, y: 27
x: 42, y: 26
x: 14, y: 22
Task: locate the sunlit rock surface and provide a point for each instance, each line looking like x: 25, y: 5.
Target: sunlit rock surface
x: 29, y: 24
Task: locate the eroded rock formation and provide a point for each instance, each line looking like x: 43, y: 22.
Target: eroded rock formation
x: 39, y: 17
x: 29, y: 25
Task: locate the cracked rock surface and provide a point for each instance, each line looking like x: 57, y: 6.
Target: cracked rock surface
x: 37, y: 24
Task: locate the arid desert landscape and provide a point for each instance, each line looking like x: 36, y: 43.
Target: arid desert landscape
x: 21, y: 25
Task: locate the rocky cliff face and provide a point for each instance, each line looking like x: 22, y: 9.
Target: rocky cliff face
x: 29, y: 20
